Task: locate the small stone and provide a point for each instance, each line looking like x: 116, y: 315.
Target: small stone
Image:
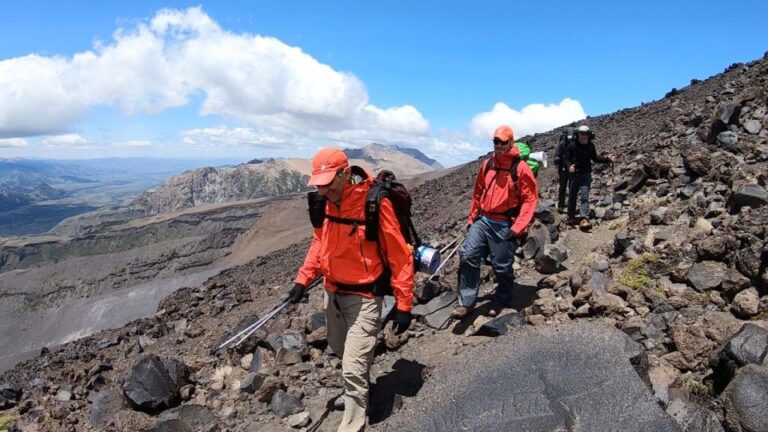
x: 64, y: 395
x: 753, y: 126
x: 746, y: 303
x: 299, y: 420
x: 245, y: 362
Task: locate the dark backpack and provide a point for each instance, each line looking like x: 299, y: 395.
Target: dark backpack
x: 566, y: 138
x: 385, y: 186
x: 488, y: 166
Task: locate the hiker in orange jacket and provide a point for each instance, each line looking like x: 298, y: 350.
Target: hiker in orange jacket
x: 354, y: 270
x: 503, y: 202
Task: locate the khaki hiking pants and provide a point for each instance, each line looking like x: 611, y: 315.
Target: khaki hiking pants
x: 353, y: 323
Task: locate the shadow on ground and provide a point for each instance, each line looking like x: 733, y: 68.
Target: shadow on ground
x: 405, y: 379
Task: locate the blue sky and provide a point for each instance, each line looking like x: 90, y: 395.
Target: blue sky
x: 256, y: 79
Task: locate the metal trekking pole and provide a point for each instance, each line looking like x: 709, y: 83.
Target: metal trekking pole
x: 251, y: 329
x: 442, y: 264
x: 445, y: 248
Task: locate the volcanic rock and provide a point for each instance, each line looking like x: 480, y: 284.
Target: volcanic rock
x: 745, y: 400
x: 153, y: 383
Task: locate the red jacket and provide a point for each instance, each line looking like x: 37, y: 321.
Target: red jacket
x: 494, y: 191
x: 350, y: 259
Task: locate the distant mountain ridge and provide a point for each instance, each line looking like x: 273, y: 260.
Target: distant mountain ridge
x: 379, y: 154
x: 269, y: 177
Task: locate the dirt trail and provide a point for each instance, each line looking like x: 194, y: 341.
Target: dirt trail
x: 582, y: 245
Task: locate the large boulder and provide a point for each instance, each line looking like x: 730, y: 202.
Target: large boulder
x: 154, y: 382
x: 575, y: 377
x: 748, y: 346
x: 745, y: 400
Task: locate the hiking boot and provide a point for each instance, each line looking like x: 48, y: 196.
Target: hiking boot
x: 571, y: 221
x: 460, y: 312
x: 495, y: 309
x: 584, y: 224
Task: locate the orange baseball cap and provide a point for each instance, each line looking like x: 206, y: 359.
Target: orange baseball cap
x: 504, y: 133
x: 325, y: 164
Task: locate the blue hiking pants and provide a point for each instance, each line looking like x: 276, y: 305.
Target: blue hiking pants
x: 487, y: 237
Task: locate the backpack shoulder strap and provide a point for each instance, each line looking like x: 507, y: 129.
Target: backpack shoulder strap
x: 515, y: 177
x: 372, y: 207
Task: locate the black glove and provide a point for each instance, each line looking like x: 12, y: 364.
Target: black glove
x: 296, y: 293
x: 401, y: 322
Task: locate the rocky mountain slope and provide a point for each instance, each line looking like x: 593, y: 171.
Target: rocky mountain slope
x: 269, y: 177
x: 677, y: 261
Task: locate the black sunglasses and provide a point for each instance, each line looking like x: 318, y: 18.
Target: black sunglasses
x: 499, y: 142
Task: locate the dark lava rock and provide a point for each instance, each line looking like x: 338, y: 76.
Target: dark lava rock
x: 638, y: 180
x: 9, y: 396
x: 153, y: 383
x: 283, y: 404
x: 748, y: 346
x: 621, y: 242
x: 502, y: 324
x: 575, y: 377
x: 545, y: 211
x: 745, y: 400
x: 256, y: 361
x: 251, y: 382
x: 706, y: 275
x: 538, y: 237
x: 551, y: 260
x: 749, y: 195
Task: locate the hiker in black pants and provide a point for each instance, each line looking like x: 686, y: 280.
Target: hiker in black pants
x: 578, y: 158
x: 562, y: 169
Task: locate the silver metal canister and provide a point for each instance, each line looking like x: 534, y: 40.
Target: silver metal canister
x: 427, y: 259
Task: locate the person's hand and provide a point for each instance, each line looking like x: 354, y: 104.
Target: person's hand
x: 296, y: 293
x: 572, y: 169
x: 401, y: 322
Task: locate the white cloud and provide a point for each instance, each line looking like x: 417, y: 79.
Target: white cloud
x: 529, y: 120
x: 13, y: 143
x: 219, y: 136
x: 161, y: 63
x: 65, y: 141
x: 132, y: 144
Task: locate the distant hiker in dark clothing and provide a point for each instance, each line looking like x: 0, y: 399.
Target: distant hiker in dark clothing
x: 566, y: 138
x: 503, y: 203
x: 578, y: 158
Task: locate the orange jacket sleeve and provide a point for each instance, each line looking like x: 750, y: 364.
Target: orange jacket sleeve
x: 398, y: 255
x: 529, y: 193
x: 311, y: 267
x: 477, y: 194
